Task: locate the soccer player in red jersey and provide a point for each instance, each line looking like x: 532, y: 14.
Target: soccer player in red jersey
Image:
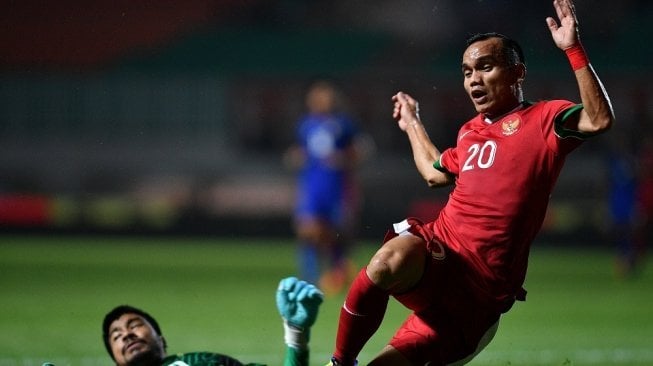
x: 459, y: 273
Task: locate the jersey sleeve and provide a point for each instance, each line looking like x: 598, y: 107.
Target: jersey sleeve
x: 561, y: 130
x: 296, y: 357
x: 560, y: 138
x: 448, y: 162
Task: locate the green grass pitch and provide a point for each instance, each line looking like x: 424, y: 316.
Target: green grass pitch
x: 216, y: 294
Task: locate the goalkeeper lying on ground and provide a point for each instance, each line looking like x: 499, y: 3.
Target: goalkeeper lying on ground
x: 133, y: 337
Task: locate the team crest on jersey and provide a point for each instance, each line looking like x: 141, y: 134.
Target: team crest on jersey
x: 510, y: 125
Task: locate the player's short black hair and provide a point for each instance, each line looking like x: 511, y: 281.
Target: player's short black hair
x: 511, y: 49
x: 116, y: 313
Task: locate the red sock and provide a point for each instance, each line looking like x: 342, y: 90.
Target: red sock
x: 360, y: 317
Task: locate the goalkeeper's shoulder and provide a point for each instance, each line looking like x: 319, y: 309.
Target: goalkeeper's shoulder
x: 203, y: 359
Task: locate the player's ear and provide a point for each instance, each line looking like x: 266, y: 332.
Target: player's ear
x: 520, y: 70
x: 164, y: 343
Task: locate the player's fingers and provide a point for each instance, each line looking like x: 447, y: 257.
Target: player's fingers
x: 564, y: 10
x: 282, y: 295
x: 396, y: 110
x: 315, y: 294
x: 299, y: 287
x: 309, y: 293
x: 552, y: 24
x: 557, y: 7
x: 302, y: 292
x: 292, y: 286
x: 400, y: 97
x: 287, y: 283
x: 408, y: 98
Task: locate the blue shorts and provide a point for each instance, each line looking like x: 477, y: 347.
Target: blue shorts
x: 320, y: 205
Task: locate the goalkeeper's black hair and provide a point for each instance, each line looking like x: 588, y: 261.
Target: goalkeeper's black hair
x: 511, y: 49
x: 116, y: 313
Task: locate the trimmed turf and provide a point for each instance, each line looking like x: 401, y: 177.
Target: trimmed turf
x: 218, y: 295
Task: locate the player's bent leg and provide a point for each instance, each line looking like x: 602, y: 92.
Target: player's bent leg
x: 389, y: 356
x: 399, y: 264
x: 485, y: 340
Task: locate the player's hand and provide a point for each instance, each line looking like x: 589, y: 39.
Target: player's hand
x: 406, y: 110
x: 564, y: 34
x: 298, y: 302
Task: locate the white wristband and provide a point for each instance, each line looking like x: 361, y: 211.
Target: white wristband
x: 295, y: 337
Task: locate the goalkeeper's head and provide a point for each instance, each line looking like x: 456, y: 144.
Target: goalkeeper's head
x: 132, y: 336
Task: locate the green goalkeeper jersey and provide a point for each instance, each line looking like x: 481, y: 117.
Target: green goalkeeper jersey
x: 203, y: 359
x: 294, y: 357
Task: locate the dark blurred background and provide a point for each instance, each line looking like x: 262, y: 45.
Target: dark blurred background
x: 172, y: 116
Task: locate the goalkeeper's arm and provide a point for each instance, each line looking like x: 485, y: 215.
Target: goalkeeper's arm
x: 298, y: 303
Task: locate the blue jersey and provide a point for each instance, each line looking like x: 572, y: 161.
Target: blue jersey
x: 325, y: 138
x: 623, y: 188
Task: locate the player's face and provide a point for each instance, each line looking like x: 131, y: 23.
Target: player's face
x: 321, y: 99
x: 134, y: 342
x: 489, y: 80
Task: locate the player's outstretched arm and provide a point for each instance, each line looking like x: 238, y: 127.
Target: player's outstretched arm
x: 298, y: 303
x: 597, y: 114
x: 425, y: 154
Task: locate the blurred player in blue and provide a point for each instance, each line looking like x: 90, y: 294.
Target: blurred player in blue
x: 133, y: 337
x: 327, y: 151
x: 623, y: 203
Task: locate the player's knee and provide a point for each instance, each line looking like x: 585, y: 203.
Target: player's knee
x: 397, y: 266
x: 382, y: 266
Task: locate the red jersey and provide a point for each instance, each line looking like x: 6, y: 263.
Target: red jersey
x: 505, y: 171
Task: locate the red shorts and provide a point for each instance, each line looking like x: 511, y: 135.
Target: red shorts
x: 450, y: 314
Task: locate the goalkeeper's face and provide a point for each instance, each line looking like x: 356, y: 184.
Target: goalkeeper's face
x: 134, y: 341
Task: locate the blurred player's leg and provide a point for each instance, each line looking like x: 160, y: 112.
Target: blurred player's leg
x: 309, y: 264
x: 341, y: 270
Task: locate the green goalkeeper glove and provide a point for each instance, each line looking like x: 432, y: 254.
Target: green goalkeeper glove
x: 298, y: 302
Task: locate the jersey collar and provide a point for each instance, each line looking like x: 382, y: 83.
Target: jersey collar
x: 490, y: 121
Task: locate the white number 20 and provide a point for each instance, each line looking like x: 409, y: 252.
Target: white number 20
x: 483, y: 156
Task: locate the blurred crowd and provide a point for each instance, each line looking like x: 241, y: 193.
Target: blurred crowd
x: 160, y: 113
